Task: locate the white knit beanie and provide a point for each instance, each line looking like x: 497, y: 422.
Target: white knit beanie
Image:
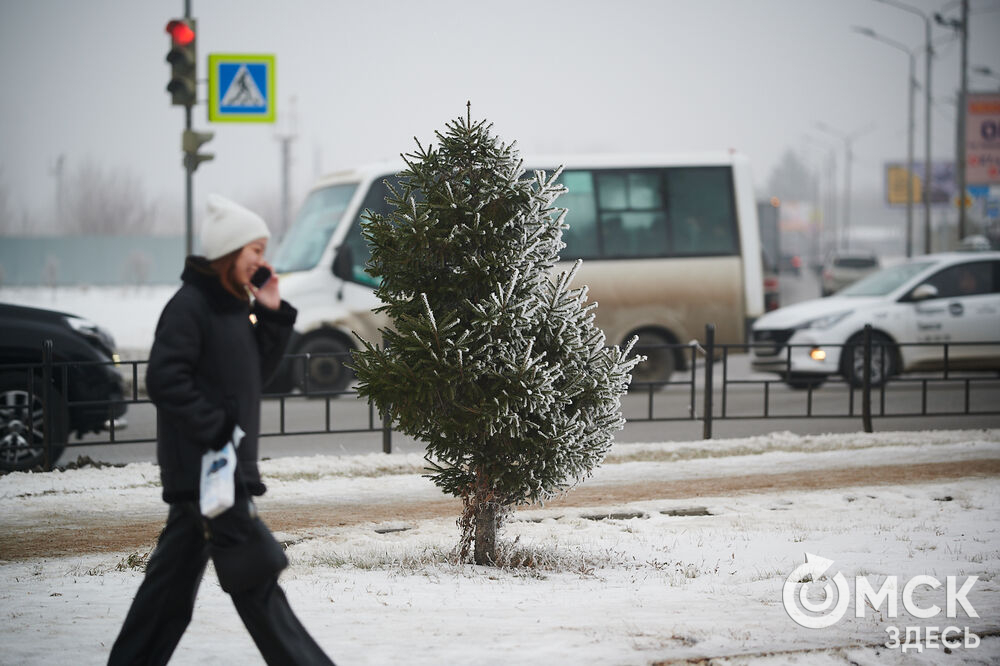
x: 229, y: 226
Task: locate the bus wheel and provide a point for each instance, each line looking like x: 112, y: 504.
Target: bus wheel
x: 324, y: 371
x: 660, y: 361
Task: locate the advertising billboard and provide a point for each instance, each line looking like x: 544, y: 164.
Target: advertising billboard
x: 982, y: 139
x: 943, y: 187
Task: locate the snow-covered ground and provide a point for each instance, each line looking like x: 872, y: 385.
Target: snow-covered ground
x: 614, y: 591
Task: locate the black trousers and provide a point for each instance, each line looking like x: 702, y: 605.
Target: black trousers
x: 162, y: 607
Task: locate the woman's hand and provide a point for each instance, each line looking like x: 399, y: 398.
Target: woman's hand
x: 268, y: 295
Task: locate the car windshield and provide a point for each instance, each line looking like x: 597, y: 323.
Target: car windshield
x: 886, y: 280
x: 303, y: 245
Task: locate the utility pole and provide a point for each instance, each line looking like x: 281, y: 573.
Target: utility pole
x: 963, y: 97
x: 285, y: 138
x: 925, y: 191
x: 962, y: 27
x: 285, y: 168
x: 911, y: 90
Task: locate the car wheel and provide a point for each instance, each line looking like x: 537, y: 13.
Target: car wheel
x: 660, y: 360
x: 883, y: 362
x: 22, y: 424
x: 805, y: 382
x: 326, y: 370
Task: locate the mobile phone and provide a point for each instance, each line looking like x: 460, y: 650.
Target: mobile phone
x: 261, y: 277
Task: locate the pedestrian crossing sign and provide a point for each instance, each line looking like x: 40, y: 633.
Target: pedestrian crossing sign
x: 241, y: 88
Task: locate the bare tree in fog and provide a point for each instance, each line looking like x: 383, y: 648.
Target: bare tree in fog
x: 104, y: 201
x: 793, y: 180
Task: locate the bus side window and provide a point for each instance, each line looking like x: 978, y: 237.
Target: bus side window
x: 632, y: 216
x: 702, y: 212
x: 581, y: 237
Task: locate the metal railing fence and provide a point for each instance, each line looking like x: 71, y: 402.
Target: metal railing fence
x: 978, y: 394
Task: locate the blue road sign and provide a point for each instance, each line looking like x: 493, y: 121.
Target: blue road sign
x: 241, y: 87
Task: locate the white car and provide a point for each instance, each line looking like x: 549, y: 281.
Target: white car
x: 845, y: 269
x: 939, y: 298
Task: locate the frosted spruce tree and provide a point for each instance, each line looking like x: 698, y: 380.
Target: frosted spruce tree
x: 492, y: 361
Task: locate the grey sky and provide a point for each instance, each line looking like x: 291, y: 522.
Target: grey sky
x: 86, y: 80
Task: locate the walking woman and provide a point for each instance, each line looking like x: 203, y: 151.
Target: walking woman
x: 218, y: 338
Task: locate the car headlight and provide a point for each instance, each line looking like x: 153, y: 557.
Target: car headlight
x: 826, y: 321
x: 93, y: 332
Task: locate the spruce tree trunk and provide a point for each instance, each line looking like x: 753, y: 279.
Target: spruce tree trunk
x: 486, y: 534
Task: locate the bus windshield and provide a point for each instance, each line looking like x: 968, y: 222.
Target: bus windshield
x: 303, y: 245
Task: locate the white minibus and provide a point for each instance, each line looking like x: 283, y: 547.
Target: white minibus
x: 669, y: 244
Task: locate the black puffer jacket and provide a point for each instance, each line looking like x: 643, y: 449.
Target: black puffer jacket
x: 206, y: 369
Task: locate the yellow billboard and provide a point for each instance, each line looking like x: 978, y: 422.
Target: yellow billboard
x: 896, y: 185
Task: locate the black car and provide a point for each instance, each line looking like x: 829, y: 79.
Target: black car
x: 85, y: 393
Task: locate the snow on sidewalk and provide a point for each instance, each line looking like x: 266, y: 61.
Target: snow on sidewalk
x: 625, y: 591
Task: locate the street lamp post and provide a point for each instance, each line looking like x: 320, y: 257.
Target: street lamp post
x: 926, y: 190
x: 828, y: 238
x: 868, y: 32
x: 848, y: 139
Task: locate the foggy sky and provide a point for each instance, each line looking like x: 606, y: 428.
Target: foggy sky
x: 86, y: 80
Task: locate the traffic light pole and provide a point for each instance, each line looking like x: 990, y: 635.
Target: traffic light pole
x: 183, y: 88
x: 188, y: 194
x: 188, y: 175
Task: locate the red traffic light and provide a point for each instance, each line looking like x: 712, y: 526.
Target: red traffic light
x: 182, y: 58
x: 180, y: 32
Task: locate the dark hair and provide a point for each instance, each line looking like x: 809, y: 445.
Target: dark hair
x: 225, y: 267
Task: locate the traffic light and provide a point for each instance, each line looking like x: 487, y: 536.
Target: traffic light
x: 191, y: 141
x: 183, y: 61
